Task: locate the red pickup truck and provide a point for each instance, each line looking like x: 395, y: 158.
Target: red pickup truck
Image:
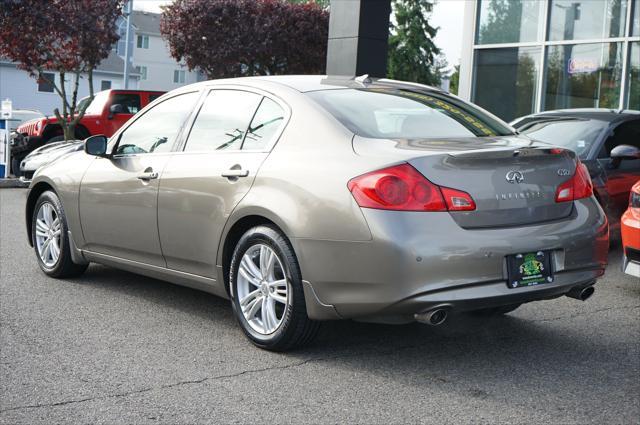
x: 108, y: 111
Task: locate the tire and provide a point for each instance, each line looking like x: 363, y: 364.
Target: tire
x: 293, y: 328
x: 496, y: 311
x: 62, y: 266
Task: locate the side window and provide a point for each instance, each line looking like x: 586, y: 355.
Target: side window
x: 130, y: 102
x: 265, y: 124
x: 222, y: 120
x: 157, y: 130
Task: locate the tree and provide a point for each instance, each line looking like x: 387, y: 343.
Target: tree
x: 231, y: 38
x: 66, y: 37
x: 454, y: 82
x: 413, y: 56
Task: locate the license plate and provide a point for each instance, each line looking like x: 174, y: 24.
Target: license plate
x: 529, y: 269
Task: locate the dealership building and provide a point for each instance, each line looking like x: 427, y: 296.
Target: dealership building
x: 525, y: 56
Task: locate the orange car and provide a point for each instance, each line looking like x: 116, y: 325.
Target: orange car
x: 630, y: 225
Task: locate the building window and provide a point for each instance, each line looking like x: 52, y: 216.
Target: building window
x: 143, y: 41
x: 635, y: 26
x: 510, y: 21
x: 179, y: 76
x: 105, y: 85
x: 583, y: 76
x: 633, y: 95
x: 143, y: 72
x: 583, y: 20
x: 507, y: 80
x: 44, y: 84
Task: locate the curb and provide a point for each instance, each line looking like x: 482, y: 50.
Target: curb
x: 13, y: 183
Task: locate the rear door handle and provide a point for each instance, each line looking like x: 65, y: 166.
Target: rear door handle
x: 235, y: 173
x: 148, y: 176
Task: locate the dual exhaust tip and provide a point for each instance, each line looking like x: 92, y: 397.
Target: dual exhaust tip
x: 438, y: 316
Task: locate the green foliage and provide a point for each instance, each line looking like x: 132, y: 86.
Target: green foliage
x: 413, y: 56
x: 454, y: 82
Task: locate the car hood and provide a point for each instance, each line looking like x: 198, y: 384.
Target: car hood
x: 36, y: 159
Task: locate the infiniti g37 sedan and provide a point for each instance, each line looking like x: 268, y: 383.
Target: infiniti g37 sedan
x: 309, y: 198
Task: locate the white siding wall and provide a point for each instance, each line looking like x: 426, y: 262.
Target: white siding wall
x: 160, y: 65
x: 22, y: 89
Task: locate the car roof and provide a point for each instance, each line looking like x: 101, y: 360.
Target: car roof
x: 308, y: 83
x: 608, y: 115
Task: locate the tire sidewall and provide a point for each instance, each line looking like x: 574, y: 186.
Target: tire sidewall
x: 273, y: 239
x: 51, y: 198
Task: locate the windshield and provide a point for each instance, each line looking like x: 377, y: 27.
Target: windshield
x: 575, y: 134
x: 386, y: 113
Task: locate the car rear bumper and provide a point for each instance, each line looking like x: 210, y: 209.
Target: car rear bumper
x: 417, y: 261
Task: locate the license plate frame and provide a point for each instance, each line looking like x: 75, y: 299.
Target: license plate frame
x: 529, y: 269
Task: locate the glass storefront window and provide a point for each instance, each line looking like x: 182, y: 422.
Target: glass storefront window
x: 583, y: 76
x: 633, y: 97
x: 635, y: 19
x: 508, y: 21
x: 506, y: 80
x: 587, y: 19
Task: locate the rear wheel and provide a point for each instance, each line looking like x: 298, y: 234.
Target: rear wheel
x: 50, y: 238
x: 266, y: 291
x: 496, y: 311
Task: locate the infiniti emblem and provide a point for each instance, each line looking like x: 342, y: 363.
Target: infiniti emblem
x: 515, y: 177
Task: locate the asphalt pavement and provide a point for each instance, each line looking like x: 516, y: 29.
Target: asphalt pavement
x: 113, y: 347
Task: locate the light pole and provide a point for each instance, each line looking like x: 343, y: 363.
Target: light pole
x: 127, y: 50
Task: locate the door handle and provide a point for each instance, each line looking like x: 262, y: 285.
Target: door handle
x: 235, y: 173
x: 150, y: 175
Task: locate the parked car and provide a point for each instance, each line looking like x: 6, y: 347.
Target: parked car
x: 19, y: 116
x: 308, y: 198
x: 46, y: 153
x: 606, y: 141
x: 631, y: 233
x: 108, y: 111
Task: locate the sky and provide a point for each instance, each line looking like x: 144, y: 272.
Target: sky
x: 447, y: 14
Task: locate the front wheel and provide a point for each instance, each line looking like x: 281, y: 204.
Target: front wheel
x: 266, y: 291
x: 50, y: 238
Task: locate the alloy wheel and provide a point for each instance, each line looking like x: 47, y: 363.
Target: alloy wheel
x: 263, y: 290
x: 48, y: 231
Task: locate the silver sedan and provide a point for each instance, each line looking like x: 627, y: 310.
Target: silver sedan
x: 309, y: 198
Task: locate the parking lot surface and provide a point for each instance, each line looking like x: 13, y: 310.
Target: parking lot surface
x: 114, y: 347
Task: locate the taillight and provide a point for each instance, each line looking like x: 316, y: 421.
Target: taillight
x: 403, y: 188
x: 577, y: 187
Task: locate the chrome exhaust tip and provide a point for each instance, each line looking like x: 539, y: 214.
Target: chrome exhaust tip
x: 433, y: 317
x: 581, y: 294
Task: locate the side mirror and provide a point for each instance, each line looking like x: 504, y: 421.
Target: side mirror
x: 116, y: 108
x: 625, y: 152
x: 96, y: 145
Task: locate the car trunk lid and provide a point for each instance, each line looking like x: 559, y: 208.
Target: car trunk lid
x: 512, y: 180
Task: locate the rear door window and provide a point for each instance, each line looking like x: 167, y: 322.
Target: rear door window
x: 222, y: 121
x: 265, y: 126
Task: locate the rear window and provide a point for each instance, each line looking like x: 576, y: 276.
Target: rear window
x: 403, y: 114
